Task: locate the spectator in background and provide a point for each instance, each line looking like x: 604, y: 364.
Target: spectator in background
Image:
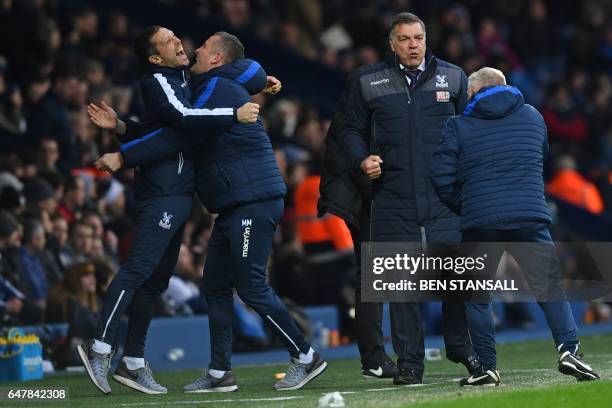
x: 564, y: 121
x: 571, y: 186
x: 10, y: 240
x: 329, y: 261
x: 40, y: 272
x: 76, y: 291
x: 81, y: 242
x: 183, y: 291
x: 74, y: 199
x: 74, y: 301
x: 104, y: 275
x: 39, y: 194
x: 491, y: 44
x: 536, y: 41
x: 11, y: 303
x: 48, y: 155
x: 11, y: 115
x: 51, y: 115
x: 60, y: 248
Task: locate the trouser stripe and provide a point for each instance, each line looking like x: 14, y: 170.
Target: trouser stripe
x: 112, y: 313
x: 282, y: 331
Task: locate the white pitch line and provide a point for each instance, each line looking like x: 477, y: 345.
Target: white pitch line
x: 211, y: 401
x: 402, y: 387
x: 382, y: 389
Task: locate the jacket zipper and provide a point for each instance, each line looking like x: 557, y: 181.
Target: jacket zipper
x: 181, y: 162
x: 423, y: 238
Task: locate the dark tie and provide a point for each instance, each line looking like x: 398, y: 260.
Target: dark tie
x: 413, y: 75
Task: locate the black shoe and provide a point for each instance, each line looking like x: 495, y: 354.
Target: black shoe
x: 489, y: 378
x: 407, y: 376
x: 472, y: 364
x: 377, y: 369
x: 572, y: 364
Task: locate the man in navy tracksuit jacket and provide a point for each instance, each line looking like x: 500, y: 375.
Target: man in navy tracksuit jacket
x: 394, y: 115
x: 164, y: 190
x: 488, y: 168
x: 238, y: 178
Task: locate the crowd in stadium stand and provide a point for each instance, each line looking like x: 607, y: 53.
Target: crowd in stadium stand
x: 65, y: 228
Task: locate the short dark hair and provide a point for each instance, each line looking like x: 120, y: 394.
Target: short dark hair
x: 31, y: 228
x: 144, y: 47
x: 230, y: 46
x: 405, y: 18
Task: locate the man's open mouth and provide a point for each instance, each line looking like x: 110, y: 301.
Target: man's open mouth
x: 180, y: 53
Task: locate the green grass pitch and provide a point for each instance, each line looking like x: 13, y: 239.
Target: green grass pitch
x: 528, y: 371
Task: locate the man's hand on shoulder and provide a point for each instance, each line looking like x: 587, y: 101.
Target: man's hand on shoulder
x: 109, y: 162
x: 371, y: 166
x: 248, y: 113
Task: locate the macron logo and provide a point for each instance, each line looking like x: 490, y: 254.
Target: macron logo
x: 381, y: 81
x: 246, y: 235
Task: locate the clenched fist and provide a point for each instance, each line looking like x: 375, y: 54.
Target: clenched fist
x: 248, y: 113
x: 371, y: 166
x: 109, y: 162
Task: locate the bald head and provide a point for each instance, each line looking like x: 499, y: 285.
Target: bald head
x: 484, y: 77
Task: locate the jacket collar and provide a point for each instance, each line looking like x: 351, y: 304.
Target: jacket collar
x: 178, y: 73
x: 242, y: 70
x: 431, y: 64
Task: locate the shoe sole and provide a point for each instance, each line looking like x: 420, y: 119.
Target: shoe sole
x: 314, y: 374
x: 374, y: 377
x: 481, y: 385
x: 135, y: 386
x: 571, y: 369
x: 216, y: 389
x: 90, y: 374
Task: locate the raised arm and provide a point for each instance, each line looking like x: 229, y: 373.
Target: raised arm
x: 105, y: 117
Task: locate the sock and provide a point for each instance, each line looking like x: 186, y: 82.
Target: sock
x: 216, y: 373
x: 134, y: 363
x: 101, y: 347
x: 307, y: 358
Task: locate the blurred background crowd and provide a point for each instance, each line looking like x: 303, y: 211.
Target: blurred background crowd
x: 65, y: 228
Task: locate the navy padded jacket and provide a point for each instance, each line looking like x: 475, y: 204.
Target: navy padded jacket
x: 403, y: 126
x: 489, y: 164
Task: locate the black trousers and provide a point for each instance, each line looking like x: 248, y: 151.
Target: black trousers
x: 147, y: 271
x: 406, y: 324
x: 237, y: 258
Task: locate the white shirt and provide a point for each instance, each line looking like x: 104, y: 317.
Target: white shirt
x: 421, y: 67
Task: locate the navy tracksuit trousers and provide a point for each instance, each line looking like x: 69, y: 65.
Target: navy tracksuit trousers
x: 558, y: 313
x: 237, y: 256
x: 147, y: 271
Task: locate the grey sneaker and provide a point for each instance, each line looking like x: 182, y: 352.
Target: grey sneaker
x: 298, y: 375
x: 96, y: 365
x: 140, y: 379
x: 208, y: 383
